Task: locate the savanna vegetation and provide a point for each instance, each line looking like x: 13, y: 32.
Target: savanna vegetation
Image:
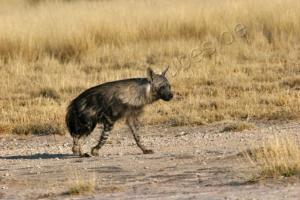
x: 229, y: 60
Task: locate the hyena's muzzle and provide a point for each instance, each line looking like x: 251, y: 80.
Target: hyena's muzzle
x: 165, y: 93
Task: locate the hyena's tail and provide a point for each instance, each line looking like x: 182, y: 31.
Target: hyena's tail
x: 77, y: 123
x: 72, y: 121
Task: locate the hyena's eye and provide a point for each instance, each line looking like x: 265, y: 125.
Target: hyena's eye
x: 166, y: 87
x: 163, y: 87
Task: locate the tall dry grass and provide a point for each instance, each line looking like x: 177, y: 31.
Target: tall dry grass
x: 68, y: 46
x: 69, y: 30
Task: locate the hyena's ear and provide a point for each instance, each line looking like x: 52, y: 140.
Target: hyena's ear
x: 150, y: 74
x: 165, y: 71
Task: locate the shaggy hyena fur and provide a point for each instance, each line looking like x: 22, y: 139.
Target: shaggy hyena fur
x: 109, y: 102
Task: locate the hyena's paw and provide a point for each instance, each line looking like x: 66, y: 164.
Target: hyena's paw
x: 76, y: 151
x: 148, y: 151
x: 85, y: 155
x: 95, y: 152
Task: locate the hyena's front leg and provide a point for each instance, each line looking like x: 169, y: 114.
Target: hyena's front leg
x: 77, y: 145
x: 103, y: 138
x: 133, y: 125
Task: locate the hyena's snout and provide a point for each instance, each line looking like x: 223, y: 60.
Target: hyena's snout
x: 169, y: 97
x: 166, y: 95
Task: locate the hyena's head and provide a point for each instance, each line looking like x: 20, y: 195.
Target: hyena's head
x: 160, y: 84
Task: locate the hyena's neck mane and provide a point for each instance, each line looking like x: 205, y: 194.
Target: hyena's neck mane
x: 150, y: 94
x: 137, y: 92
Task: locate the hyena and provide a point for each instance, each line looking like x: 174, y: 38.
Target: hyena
x: 111, y: 101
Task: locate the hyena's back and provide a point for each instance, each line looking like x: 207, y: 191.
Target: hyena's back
x: 104, y: 103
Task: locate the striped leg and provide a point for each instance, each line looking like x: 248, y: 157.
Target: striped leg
x: 103, y: 138
x: 77, y: 145
x: 132, y: 124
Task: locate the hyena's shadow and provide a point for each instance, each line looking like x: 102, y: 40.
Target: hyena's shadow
x: 38, y: 156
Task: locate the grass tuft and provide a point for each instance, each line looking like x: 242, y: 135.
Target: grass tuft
x: 81, y: 185
x: 293, y: 82
x: 237, y: 126
x: 81, y: 188
x: 48, y: 93
x: 4, y: 128
x: 278, y: 157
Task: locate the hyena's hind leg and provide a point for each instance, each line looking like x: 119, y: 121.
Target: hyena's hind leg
x: 103, y: 138
x: 132, y: 123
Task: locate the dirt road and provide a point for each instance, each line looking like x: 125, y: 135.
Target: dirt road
x: 189, y: 163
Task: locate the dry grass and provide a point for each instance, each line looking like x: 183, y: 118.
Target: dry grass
x: 278, y: 157
x: 68, y: 46
x: 81, y: 185
x: 237, y: 126
x: 81, y: 188
x: 39, y: 129
x: 47, y: 93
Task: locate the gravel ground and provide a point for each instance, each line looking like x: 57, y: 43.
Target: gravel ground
x: 188, y: 163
